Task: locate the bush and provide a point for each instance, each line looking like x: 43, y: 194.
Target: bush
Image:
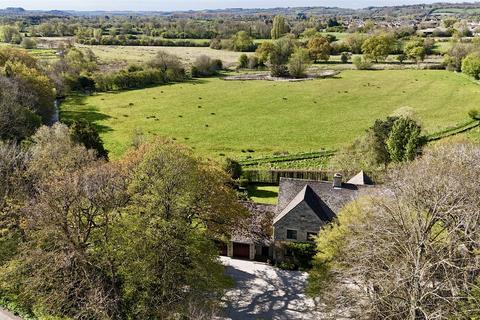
x: 253, y: 62
x: 302, y: 254
x: 345, y: 57
x: 243, y: 61
x: 361, y: 63
x: 299, y: 63
x: 205, y: 66
x: 28, y: 43
x: 471, y: 65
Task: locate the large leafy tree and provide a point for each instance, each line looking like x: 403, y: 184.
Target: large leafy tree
x: 378, y: 47
x: 319, y: 48
x: 409, y: 253
x: 119, y: 240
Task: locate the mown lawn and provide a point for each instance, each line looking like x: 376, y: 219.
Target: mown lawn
x: 253, y: 118
x: 263, y: 194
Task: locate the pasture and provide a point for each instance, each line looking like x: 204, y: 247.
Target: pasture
x: 139, y: 54
x: 244, y: 119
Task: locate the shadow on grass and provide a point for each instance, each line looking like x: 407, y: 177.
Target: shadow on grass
x: 89, y: 114
x: 255, y: 192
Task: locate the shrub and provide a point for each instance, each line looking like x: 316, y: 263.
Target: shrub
x: 243, y: 61
x: 471, y: 65
x: 299, y: 63
x: 253, y: 62
x: 345, y: 57
x: 361, y: 63
x: 204, y: 66
x: 28, y: 43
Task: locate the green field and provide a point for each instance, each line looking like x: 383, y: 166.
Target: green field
x: 255, y: 118
x: 263, y: 194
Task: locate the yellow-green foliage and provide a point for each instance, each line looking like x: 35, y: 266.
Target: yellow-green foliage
x: 330, y: 244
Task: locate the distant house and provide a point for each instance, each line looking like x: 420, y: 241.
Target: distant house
x: 303, y: 208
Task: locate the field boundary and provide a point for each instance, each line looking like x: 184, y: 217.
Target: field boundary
x: 461, y: 128
x: 286, y: 158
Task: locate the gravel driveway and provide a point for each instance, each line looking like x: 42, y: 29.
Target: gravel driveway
x: 265, y: 292
x: 5, y: 315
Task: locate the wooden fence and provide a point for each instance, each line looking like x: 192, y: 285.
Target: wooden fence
x: 273, y: 176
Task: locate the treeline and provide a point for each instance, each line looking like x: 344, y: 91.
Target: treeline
x: 141, y: 41
x: 82, y: 238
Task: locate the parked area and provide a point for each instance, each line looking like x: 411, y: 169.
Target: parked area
x: 265, y: 292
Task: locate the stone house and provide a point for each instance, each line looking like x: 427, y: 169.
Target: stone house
x: 303, y: 208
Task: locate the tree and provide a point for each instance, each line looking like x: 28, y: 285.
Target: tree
x: 415, y: 49
x: 37, y: 82
x: 276, y: 54
x: 378, y: 47
x: 404, y: 142
x: 319, y: 48
x: 13, y: 55
x: 170, y: 64
x: 119, y: 240
x: 355, y: 42
x: 10, y: 34
x: 380, y: 131
x: 415, y: 249
x: 471, y: 65
x: 18, y: 119
x: 456, y: 54
x: 243, y: 42
x: 279, y: 28
x: 85, y: 133
x: 299, y: 63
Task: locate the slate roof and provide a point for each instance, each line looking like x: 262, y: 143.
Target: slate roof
x: 334, y: 198
x: 312, y: 200
x: 361, y: 179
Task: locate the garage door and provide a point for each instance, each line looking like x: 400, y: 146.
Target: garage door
x: 241, y: 250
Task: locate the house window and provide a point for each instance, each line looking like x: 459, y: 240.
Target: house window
x: 311, y: 236
x: 291, y: 234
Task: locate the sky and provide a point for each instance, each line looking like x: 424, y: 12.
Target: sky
x: 170, y: 5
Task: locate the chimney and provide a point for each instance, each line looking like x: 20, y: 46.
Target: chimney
x: 337, y: 180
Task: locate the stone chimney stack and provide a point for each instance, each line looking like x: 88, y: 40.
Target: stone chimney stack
x: 337, y: 180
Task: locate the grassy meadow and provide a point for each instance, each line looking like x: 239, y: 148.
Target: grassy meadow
x: 254, y: 118
x: 140, y: 54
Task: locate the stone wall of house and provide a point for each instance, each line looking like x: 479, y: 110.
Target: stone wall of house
x: 302, y: 219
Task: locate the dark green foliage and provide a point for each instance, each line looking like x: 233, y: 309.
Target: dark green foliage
x: 381, y: 131
x: 243, y: 61
x: 302, y: 254
x: 404, y: 142
x: 87, y: 134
